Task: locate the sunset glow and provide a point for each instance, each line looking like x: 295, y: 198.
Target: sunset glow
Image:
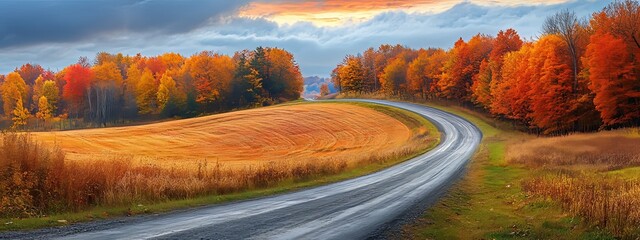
x: 332, y: 13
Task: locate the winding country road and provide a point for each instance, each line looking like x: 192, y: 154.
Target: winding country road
x: 353, y: 209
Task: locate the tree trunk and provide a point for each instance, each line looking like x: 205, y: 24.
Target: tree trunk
x: 89, y: 98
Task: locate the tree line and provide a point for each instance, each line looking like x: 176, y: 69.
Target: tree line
x: 578, y: 75
x: 115, y: 87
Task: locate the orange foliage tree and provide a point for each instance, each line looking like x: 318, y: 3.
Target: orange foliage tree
x: 615, y: 79
x: 212, y: 74
x: 350, y: 75
x: 284, y: 79
x: 490, y: 70
x: 463, y: 65
x: 394, y: 76
x: 511, y: 94
x: 552, y: 100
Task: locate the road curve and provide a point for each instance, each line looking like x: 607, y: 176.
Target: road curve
x: 352, y: 209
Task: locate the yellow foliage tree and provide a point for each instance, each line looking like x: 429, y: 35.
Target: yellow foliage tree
x: 44, y: 112
x: 146, y: 93
x: 20, y: 115
x: 13, y: 89
x: 166, y: 91
x: 52, y: 93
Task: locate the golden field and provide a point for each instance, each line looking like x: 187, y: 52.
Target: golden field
x: 57, y: 172
x: 303, y: 132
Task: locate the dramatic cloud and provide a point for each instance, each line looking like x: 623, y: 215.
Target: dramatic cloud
x: 317, y: 48
x: 27, y: 22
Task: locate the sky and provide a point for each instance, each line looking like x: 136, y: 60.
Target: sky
x: 319, y: 33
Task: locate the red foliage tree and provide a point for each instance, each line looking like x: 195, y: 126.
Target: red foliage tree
x: 78, y: 79
x: 30, y: 72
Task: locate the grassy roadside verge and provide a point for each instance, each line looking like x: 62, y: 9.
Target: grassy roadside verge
x: 489, y: 203
x: 410, y: 119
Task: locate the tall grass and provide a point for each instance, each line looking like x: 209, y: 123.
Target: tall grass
x: 611, y: 203
x: 35, y: 181
x: 572, y: 171
x: 601, y: 151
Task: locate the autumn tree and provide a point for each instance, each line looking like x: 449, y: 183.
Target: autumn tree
x: 566, y: 25
x: 107, y: 82
x: 615, y: 79
x: 450, y: 83
x: 552, y: 98
x: 44, y: 112
x: 20, y: 115
x: 464, y: 62
x: 146, y: 93
x: 247, y: 84
x: 13, y: 90
x: 36, y: 92
x: 156, y: 65
x: 491, y: 68
x: 51, y: 93
x: 30, y: 72
x: 130, y: 101
x: 212, y: 74
x: 384, y: 55
x: 481, y: 87
x: 78, y: 79
x: 167, y: 95
x: 433, y: 70
x: 172, y: 61
x: 324, y: 90
x: 621, y: 19
x: 285, y: 80
x: 394, y: 76
x: 371, y: 81
x: 511, y: 94
x: 335, y: 78
x: 350, y: 74
x: 417, y: 80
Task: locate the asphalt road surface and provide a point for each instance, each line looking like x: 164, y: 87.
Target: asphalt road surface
x: 354, y: 209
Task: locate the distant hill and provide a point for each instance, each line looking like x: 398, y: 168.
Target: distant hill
x: 312, y: 86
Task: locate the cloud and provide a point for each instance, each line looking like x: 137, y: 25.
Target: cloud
x: 30, y: 22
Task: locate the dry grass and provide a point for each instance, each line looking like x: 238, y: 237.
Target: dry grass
x: 306, y: 132
x: 37, y: 180
x: 573, y: 170
x: 603, y: 151
x: 609, y: 202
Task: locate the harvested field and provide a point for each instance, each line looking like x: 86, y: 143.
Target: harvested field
x: 304, y: 132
